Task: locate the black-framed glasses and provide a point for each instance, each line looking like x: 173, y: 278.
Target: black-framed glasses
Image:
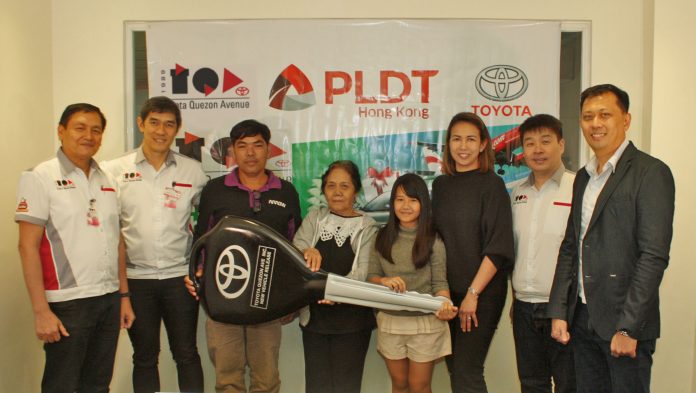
x: 257, y: 201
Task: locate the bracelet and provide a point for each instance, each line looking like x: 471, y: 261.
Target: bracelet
x: 623, y: 332
x: 125, y: 294
x: 473, y: 291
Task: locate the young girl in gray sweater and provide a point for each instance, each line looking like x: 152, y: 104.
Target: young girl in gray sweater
x: 408, y: 255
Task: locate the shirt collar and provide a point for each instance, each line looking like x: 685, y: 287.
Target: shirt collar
x: 591, y: 166
x: 67, y: 166
x: 556, y: 177
x: 232, y: 180
x: 140, y: 157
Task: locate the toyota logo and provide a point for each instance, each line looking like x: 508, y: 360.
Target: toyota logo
x: 501, y: 82
x: 232, y: 277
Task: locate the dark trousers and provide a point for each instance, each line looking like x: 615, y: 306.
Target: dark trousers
x: 84, y: 360
x: 334, y: 362
x: 155, y: 301
x: 469, y: 350
x: 540, y: 357
x: 599, y: 372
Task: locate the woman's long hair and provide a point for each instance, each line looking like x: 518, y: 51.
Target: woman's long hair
x: 414, y: 187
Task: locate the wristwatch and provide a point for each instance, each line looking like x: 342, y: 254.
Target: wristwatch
x: 623, y: 332
x: 473, y: 291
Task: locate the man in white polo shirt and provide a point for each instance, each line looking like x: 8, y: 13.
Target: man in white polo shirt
x: 67, y: 211
x: 158, y: 192
x: 540, y: 208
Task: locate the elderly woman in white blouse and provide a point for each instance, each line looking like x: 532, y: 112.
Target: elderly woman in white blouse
x: 337, y: 239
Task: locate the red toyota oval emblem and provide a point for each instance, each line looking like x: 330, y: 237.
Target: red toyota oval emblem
x: 241, y: 91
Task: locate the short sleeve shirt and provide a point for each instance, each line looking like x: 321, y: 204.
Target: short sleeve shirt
x: 79, y: 248
x: 539, y: 220
x: 156, y: 208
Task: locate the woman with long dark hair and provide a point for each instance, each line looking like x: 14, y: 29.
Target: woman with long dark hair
x: 472, y: 214
x: 408, y: 256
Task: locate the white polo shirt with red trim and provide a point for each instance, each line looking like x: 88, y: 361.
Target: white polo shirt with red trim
x: 79, y: 249
x: 156, y: 207
x: 539, y: 219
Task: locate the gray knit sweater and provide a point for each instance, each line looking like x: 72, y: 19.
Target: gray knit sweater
x: 429, y: 279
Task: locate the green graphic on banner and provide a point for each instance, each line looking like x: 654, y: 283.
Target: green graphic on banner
x: 381, y: 159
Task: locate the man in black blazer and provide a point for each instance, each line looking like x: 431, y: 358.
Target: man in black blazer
x: 605, y: 293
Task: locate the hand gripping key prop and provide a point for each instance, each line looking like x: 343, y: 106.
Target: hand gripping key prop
x: 252, y: 274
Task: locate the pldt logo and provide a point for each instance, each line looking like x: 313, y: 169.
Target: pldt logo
x: 291, y: 76
x: 501, y: 82
x: 232, y: 272
x: 204, y: 80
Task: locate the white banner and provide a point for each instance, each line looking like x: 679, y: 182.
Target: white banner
x: 380, y: 93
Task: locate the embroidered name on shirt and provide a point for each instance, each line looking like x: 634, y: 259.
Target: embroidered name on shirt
x: 132, y: 176
x: 64, y: 184
x: 277, y: 203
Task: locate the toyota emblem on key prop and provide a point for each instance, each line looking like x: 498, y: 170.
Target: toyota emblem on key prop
x: 501, y: 82
x: 232, y: 272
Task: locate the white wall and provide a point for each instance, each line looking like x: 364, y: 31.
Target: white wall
x: 672, y: 140
x: 87, y: 45
x: 26, y: 120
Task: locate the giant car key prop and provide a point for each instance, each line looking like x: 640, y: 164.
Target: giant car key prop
x: 252, y: 274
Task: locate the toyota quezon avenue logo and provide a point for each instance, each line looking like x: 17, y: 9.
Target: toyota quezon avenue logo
x: 501, y: 82
x: 232, y: 272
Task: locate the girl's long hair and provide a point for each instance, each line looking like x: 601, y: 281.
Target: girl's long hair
x: 414, y: 187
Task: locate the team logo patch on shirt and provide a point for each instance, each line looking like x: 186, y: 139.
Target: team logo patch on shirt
x: 277, y: 203
x: 519, y: 199
x: 64, y: 184
x: 22, y: 206
x: 131, y: 176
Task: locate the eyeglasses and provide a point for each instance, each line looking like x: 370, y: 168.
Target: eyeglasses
x: 257, y: 201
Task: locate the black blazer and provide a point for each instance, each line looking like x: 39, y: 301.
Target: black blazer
x: 625, y: 250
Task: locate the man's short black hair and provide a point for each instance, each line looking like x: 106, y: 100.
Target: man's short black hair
x: 161, y: 104
x: 538, y: 122
x: 598, y: 90
x: 77, y: 108
x: 249, y: 127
